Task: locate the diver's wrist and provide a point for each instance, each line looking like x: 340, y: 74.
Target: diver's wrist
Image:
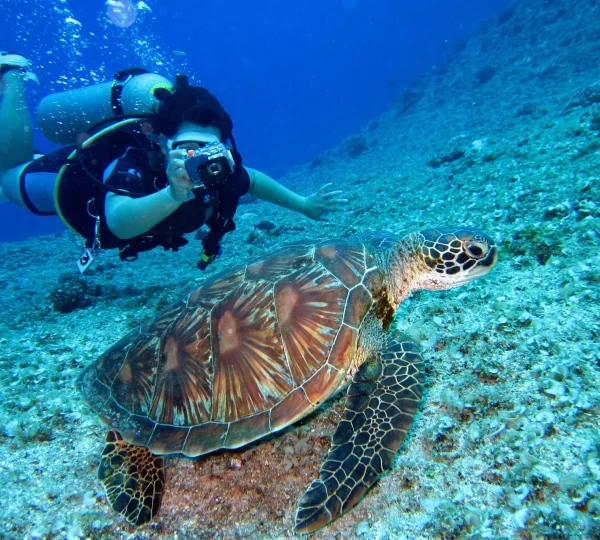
x: 173, y: 196
x: 304, y: 206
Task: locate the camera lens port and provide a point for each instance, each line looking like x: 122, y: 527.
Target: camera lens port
x: 214, y: 168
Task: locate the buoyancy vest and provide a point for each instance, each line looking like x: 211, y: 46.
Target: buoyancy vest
x: 80, y: 194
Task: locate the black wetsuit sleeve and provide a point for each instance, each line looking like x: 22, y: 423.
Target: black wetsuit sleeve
x: 129, y: 172
x: 244, y: 182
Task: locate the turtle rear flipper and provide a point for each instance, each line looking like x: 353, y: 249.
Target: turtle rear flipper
x: 133, y: 479
x: 380, y: 408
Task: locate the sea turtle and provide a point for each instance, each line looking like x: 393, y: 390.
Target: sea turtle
x: 257, y: 348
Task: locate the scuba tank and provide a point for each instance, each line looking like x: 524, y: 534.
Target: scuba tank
x: 64, y: 116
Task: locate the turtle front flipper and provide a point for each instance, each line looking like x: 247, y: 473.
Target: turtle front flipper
x: 133, y: 479
x: 380, y: 407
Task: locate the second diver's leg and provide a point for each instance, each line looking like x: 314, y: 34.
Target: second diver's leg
x: 16, y: 134
x: 16, y: 128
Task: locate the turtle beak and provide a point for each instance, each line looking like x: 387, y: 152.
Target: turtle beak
x: 484, y: 265
x: 491, y: 259
x: 481, y: 268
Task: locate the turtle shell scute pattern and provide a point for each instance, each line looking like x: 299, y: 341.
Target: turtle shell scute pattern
x: 244, y: 355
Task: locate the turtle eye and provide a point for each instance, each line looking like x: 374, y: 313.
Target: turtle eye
x: 476, y: 249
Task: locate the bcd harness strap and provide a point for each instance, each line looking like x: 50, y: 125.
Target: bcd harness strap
x: 221, y: 221
x: 121, y: 79
x: 211, y: 243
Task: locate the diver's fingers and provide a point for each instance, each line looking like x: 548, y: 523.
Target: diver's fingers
x: 337, y: 201
x: 332, y: 193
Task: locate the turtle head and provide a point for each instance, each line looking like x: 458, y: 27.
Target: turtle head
x: 454, y: 257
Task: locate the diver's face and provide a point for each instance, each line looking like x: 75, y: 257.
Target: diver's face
x: 191, y: 136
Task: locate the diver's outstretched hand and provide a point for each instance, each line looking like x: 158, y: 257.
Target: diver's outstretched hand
x: 322, y: 202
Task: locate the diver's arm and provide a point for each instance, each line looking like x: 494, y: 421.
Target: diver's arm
x: 265, y: 188
x: 315, y: 206
x: 127, y: 217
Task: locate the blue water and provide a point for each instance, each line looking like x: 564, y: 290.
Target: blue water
x: 297, y: 77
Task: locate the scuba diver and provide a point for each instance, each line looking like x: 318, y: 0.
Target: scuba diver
x: 144, y: 162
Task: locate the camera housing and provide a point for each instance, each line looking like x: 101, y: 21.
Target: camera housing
x: 211, y: 166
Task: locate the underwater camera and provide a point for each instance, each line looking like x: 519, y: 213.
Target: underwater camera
x: 211, y: 166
